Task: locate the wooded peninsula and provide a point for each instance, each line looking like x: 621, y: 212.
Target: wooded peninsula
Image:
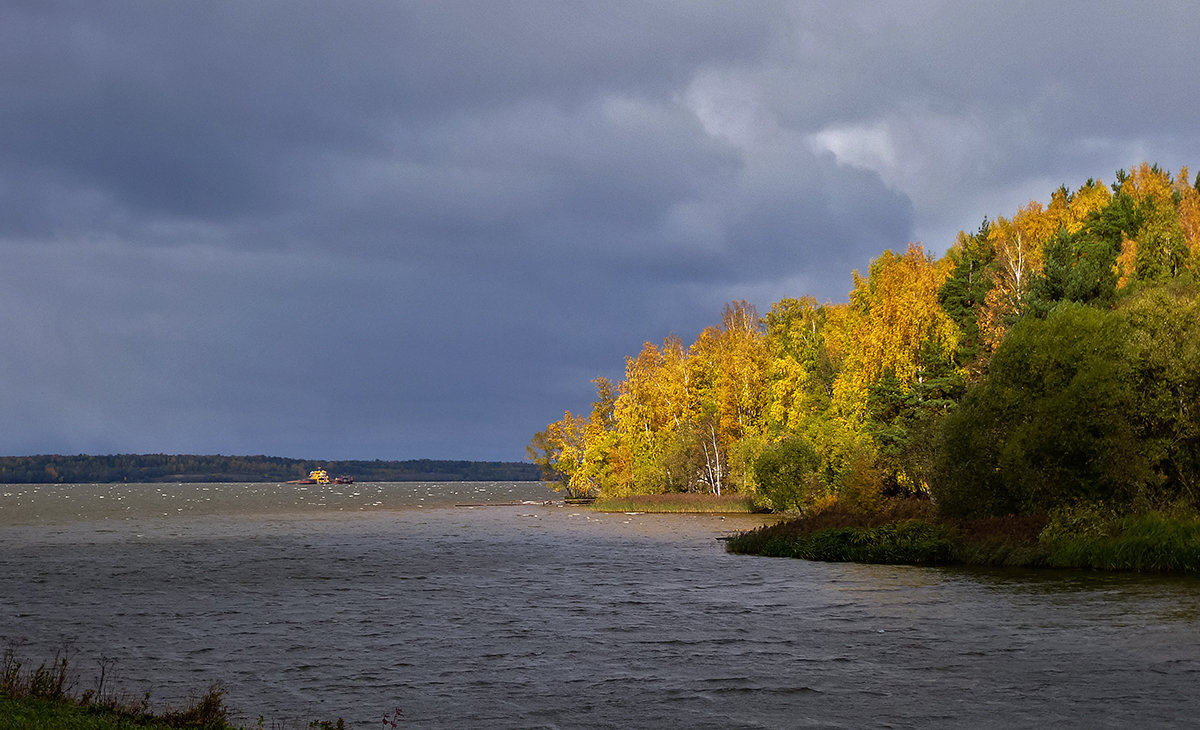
x: 1042, y: 377
x: 214, y: 468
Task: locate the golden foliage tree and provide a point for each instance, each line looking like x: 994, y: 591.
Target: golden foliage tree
x: 862, y: 382
x: 800, y: 370
x: 897, y: 322
x: 895, y: 331
x: 729, y: 364
x: 1020, y: 244
x: 1158, y: 249
x: 1189, y: 214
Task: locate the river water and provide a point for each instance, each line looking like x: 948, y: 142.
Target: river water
x: 326, y: 602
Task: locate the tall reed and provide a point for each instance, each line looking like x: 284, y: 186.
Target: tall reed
x: 1082, y: 537
x: 43, y: 697
x: 1150, y: 542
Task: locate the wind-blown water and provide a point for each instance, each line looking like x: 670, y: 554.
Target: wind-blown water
x: 352, y: 601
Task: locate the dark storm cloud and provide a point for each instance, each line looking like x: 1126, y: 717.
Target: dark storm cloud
x: 211, y: 109
x: 393, y: 230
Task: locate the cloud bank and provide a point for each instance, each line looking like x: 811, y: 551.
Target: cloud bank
x: 417, y: 230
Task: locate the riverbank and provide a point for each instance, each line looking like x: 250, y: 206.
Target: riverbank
x: 690, y: 502
x: 44, y: 698
x: 62, y: 714
x: 911, y: 533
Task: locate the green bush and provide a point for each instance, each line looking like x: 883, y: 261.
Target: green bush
x: 786, y: 474
x: 1052, y: 423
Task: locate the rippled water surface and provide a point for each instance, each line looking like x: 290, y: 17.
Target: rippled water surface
x: 352, y: 601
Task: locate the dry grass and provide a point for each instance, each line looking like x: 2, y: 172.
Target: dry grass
x: 838, y: 515
x: 44, y: 697
x: 677, y: 503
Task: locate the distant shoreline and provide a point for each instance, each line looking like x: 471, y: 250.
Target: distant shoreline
x: 147, y: 468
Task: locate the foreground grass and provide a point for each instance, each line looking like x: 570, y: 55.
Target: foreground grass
x: 912, y: 534
x: 70, y: 714
x: 43, y: 698
x: 677, y: 503
x: 65, y: 714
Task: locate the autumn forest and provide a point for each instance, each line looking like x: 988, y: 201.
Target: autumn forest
x: 1048, y: 358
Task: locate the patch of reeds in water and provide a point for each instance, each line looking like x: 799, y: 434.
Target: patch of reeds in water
x: 908, y: 542
x: 1151, y: 543
x: 677, y: 503
x: 914, y: 536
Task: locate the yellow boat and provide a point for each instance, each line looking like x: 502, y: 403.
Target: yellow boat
x: 316, y: 476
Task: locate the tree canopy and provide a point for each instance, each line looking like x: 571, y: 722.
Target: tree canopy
x: 1052, y: 356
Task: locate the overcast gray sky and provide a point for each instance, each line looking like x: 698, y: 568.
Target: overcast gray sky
x: 401, y: 230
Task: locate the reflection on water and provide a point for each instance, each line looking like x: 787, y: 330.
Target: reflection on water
x: 552, y: 616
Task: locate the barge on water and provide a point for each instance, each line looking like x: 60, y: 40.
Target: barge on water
x: 320, y: 476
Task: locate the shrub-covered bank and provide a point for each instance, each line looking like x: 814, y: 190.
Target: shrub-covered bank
x: 1085, y: 536
x: 44, y: 697
x: 1049, y: 360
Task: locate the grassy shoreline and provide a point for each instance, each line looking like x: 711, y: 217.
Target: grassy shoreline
x: 912, y: 534
x: 68, y: 714
x: 21, y: 712
x: 690, y: 502
x: 44, y: 697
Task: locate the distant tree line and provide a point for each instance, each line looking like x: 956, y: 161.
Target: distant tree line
x: 54, y: 468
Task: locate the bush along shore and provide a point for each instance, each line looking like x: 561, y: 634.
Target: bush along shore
x: 44, y: 697
x: 1086, y: 535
